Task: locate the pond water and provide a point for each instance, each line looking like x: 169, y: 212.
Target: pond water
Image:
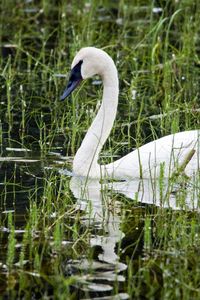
x: 63, y: 237
x: 101, y: 270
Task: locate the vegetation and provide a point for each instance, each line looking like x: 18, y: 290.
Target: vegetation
x: 51, y: 239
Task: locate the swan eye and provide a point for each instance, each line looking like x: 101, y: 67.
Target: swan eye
x: 74, y: 79
x: 76, y: 71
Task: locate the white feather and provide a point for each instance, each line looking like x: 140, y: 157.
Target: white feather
x: 166, y: 154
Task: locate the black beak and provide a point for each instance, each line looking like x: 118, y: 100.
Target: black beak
x: 74, y: 80
x: 69, y: 89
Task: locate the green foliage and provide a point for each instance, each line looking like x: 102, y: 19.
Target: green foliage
x: 44, y: 237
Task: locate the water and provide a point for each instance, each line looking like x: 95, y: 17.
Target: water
x: 94, y: 276
x: 96, y: 271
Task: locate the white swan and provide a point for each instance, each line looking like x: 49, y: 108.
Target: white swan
x: 171, y: 153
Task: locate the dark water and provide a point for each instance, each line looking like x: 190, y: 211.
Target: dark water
x: 95, y: 265
x: 95, y: 273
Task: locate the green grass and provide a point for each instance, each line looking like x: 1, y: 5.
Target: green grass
x: 44, y: 235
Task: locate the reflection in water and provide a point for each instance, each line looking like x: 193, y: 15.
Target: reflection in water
x: 94, y: 198
x: 182, y: 194
x: 112, y: 238
x: 91, y: 197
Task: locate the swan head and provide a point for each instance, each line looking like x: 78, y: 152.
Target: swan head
x: 89, y: 61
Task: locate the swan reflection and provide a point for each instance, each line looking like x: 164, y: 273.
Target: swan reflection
x: 94, y: 198
x: 104, y: 214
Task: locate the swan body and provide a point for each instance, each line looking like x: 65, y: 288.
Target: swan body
x: 167, y: 154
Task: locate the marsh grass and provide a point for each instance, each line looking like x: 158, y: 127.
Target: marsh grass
x: 43, y: 235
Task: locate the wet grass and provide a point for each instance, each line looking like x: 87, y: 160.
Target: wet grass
x: 49, y: 245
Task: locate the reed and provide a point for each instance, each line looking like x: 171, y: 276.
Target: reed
x: 46, y: 238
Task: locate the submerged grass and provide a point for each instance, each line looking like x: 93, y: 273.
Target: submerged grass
x: 47, y: 243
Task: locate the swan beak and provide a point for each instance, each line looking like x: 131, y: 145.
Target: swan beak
x: 69, y: 89
x: 74, y: 80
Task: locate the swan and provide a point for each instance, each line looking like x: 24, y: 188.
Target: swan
x: 167, y: 155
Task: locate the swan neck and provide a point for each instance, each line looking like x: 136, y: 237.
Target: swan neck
x: 86, y: 159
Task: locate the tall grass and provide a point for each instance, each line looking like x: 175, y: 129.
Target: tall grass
x: 45, y: 238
